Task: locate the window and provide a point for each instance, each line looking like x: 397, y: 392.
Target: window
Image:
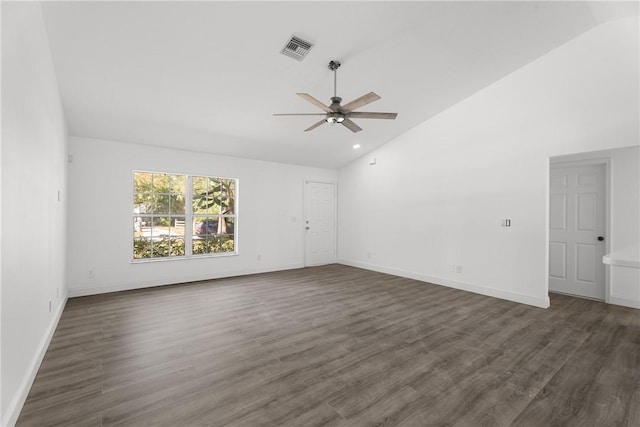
x: 181, y: 215
x: 213, y: 214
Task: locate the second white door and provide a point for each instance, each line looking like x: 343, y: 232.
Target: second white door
x: 320, y: 223
x: 576, y: 230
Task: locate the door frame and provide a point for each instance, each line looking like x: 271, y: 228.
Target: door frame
x: 577, y: 160
x: 305, y: 215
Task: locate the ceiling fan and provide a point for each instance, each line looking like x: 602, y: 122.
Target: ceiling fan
x: 336, y: 113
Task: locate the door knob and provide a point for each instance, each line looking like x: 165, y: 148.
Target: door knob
x: 600, y: 238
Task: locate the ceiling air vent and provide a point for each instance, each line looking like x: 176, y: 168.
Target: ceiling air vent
x: 297, y: 48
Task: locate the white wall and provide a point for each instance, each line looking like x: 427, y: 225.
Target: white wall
x: 625, y: 198
x: 270, y: 222
x: 1, y: 401
x: 437, y: 195
x: 34, y: 146
x: 624, y: 282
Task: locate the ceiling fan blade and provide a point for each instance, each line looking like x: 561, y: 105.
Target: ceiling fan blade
x: 315, y: 125
x: 365, y: 115
x: 314, y: 101
x: 299, y: 114
x: 351, y: 126
x: 360, y: 102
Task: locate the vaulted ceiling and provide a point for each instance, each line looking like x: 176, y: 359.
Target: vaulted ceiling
x: 207, y: 76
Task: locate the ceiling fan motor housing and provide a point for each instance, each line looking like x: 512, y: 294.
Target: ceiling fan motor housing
x: 335, y: 103
x: 337, y: 116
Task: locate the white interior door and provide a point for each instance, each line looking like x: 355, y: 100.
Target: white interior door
x: 576, y: 230
x: 320, y: 223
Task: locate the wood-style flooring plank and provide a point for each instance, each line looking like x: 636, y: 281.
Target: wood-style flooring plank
x: 335, y: 346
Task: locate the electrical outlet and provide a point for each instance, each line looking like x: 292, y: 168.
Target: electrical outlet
x: 368, y: 255
x: 259, y: 257
x: 91, y: 274
x: 458, y: 269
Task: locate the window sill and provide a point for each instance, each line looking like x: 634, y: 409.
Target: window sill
x: 183, y: 258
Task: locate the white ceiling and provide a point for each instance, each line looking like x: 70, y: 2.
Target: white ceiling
x: 207, y: 76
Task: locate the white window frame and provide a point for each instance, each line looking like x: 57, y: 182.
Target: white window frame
x: 188, y: 219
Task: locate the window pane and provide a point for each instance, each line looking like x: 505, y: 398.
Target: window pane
x: 177, y: 245
x: 142, y: 248
x: 141, y: 245
x: 201, y: 196
x: 203, y: 202
x: 160, y: 226
x: 228, y: 226
x: 160, y: 237
x: 213, y: 184
x: 145, y: 223
x: 160, y: 183
x: 200, y: 237
x: 228, y: 196
x: 177, y: 188
x: 224, y: 226
x: 141, y: 182
x: 176, y: 233
x: 199, y: 247
x: 161, y: 203
x: 204, y: 227
x: 177, y: 204
x: 177, y: 183
x: 142, y: 203
x: 204, y: 234
x: 213, y: 235
x: 178, y: 226
x: 227, y: 244
x: 215, y: 192
x: 161, y: 247
x: 226, y: 237
x: 198, y: 184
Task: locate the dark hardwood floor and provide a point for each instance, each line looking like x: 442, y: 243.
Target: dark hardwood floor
x: 336, y: 346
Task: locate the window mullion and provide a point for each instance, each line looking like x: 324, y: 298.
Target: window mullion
x: 188, y: 218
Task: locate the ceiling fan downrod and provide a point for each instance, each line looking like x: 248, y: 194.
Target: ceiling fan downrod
x: 333, y: 66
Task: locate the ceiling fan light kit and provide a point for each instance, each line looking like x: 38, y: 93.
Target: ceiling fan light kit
x: 335, y: 118
x: 342, y: 114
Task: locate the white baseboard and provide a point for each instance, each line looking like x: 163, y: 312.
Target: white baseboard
x: 624, y: 302
x: 469, y: 287
x: 15, y: 406
x: 117, y: 287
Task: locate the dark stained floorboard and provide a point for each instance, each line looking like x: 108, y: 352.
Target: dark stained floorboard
x: 335, y: 346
